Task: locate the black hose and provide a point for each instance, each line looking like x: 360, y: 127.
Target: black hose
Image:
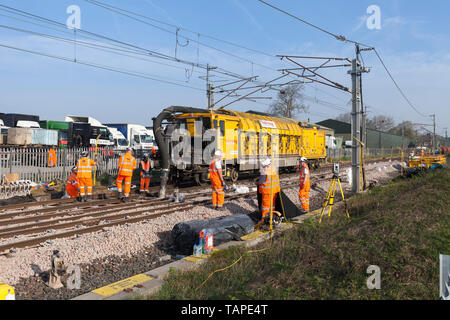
x: 167, y: 114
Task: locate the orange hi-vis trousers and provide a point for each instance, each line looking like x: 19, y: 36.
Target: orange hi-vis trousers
x: 218, y: 196
x: 265, y: 204
x: 85, y: 186
x: 127, y: 188
x: 303, y: 195
x: 305, y: 186
x: 145, y: 182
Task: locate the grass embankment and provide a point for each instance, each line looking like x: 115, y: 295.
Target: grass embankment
x: 401, y: 227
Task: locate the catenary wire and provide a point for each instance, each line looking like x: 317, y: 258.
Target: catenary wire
x: 99, y: 66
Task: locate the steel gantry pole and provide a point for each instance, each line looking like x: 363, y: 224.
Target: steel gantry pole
x: 209, y: 88
x: 434, y: 131
x: 356, y: 127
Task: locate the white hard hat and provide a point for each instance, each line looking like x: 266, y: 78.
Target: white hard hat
x: 219, y: 153
x: 266, y: 162
x: 303, y: 159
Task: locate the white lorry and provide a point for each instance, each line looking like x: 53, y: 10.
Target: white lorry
x: 120, y: 143
x: 330, y: 142
x: 139, y: 137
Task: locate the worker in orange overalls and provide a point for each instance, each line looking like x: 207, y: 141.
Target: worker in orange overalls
x: 84, y: 174
x: 51, y: 157
x: 145, y: 167
x: 127, y: 163
x: 268, y: 184
x: 72, y: 185
x: 305, y: 184
x: 217, y: 182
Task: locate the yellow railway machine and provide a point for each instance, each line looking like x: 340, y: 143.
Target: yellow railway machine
x: 426, y: 161
x: 245, y: 138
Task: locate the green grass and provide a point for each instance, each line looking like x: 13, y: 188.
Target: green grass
x: 401, y: 227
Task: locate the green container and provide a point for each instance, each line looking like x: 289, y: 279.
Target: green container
x: 55, y: 125
x: 63, y: 128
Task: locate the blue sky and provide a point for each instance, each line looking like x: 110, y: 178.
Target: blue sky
x: 413, y: 41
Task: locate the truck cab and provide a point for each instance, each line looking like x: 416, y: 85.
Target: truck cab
x: 120, y: 143
x: 3, y: 128
x: 330, y: 142
x: 142, y: 138
x: 138, y: 136
x: 99, y: 133
x: 27, y: 124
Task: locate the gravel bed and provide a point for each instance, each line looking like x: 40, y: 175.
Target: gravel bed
x: 123, y: 251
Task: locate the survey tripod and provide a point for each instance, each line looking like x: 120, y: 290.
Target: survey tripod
x: 329, y: 200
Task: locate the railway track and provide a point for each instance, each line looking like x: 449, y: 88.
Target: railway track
x: 73, y: 218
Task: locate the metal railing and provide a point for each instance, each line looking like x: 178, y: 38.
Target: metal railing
x: 32, y: 163
x: 346, y: 153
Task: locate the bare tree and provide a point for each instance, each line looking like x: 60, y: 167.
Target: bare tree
x: 345, y: 117
x: 406, y: 128
x: 289, y: 102
x: 382, y: 123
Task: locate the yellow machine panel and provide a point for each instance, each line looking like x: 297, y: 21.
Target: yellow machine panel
x: 7, y: 292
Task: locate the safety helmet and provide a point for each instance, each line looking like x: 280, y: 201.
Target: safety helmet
x: 74, y: 168
x: 266, y: 162
x: 219, y: 153
x: 145, y: 155
x: 303, y: 159
x: 84, y: 153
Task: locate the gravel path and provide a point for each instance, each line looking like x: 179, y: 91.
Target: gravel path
x: 122, y: 251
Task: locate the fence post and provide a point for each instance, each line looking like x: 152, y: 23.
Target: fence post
x: 64, y: 164
x: 10, y: 160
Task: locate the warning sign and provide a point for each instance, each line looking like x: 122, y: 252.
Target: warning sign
x: 267, y: 124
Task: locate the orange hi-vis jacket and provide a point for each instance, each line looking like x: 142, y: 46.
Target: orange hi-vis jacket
x: 127, y: 163
x: 145, y: 166
x: 214, y: 173
x: 84, y: 166
x: 305, y: 181
x: 72, y: 185
x: 271, y: 182
x: 51, y: 157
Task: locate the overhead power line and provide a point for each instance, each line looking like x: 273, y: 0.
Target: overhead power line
x: 130, y: 14
x: 398, y: 87
x: 99, y: 66
x: 121, y: 44
x: 91, y: 45
x: 342, y: 38
x: 334, y: 35
x: 105, y: 5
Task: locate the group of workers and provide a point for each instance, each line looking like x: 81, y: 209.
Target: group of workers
x: 79, y: 183
x: 268, y: 184
x: 421, y: 153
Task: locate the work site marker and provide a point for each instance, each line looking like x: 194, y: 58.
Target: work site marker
x: 119, y: 286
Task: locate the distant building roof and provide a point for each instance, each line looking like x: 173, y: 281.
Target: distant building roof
x: 339, y: 127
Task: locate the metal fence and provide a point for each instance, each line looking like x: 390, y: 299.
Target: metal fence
x: 346, y: 153
x: 32, y: 163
